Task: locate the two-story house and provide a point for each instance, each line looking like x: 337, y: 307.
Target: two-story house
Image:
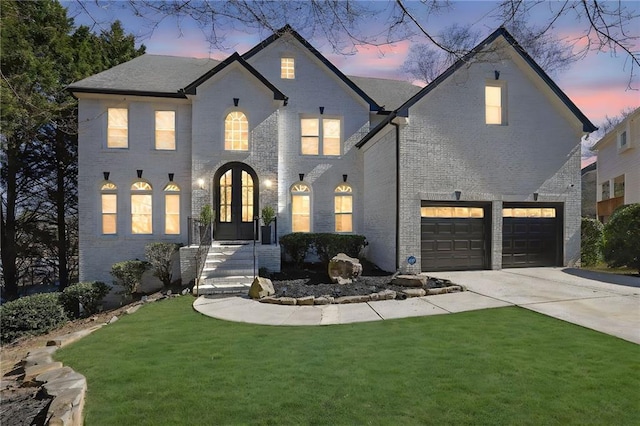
x: 478, y: 170
x: 618, y: 181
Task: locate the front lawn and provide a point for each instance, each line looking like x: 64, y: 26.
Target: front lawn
x: 169, y: 365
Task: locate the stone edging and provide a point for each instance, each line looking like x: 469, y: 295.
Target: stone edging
x: 66, y: 386
x: 381, y: 295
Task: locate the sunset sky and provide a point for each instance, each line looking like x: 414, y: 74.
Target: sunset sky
x: 597, y: 84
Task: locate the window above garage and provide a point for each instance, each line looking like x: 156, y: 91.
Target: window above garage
x: 452, y: 212
x: 529, y: 212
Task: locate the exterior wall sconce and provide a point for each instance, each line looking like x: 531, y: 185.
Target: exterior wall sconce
x: 535, y: 196
x: 170, y: 177
x: 497, y: 74
x: 201, y: 183
x: 458, y: 194
x: 236, y: 101
x: 106, y: 175
x: 268, y: 183
x: 321, y: 110
x: 301, y: 176
x: 139, y: 171
x: 344, y: 178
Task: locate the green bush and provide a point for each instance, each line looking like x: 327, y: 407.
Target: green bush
x: 329, y: 245
x: 325, y: 245
x: 622, y: 237
x: 159, y: 256
x: 89, y: 294
x: 296, y: 245
x: 591, y: 239
x: 31, y: 315
x: 129, y: 274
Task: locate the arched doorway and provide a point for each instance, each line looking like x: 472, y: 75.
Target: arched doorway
x: 236, y: 201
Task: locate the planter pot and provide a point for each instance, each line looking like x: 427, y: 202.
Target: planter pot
x: 265, y: 232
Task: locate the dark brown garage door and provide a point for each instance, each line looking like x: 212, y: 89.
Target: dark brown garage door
x: 454, y: 237
x: 531, y: 235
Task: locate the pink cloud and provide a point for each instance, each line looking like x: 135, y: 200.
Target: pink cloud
x: 373, y: 61
x: 597, y: 103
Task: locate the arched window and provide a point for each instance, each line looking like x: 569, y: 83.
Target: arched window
x: 109, y: 208
x: 172, y: 209
x: 236, y: 132
x: 343, y: 208
x: 141, y: 208
x: 300, y: 208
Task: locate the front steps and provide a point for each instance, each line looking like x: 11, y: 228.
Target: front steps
x: 228, y: 269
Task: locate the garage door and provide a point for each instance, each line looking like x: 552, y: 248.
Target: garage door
x: 454, y: 237
x: 531, y: 236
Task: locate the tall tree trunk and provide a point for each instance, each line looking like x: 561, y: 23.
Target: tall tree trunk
x: 8, y: 233
x: 63, y: 273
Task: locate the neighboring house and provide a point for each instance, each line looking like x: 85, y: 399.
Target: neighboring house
x: 478, y: 170
x: 589, y: 179
x: 619, y: 166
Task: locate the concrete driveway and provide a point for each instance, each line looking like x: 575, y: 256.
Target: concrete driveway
x: 603, y: 302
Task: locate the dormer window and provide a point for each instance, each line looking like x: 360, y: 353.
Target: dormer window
x: 287, y: 68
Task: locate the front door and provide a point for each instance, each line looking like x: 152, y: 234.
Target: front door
x: 236, y: 202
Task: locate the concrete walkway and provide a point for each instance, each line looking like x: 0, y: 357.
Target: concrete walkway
x: 602, y: 302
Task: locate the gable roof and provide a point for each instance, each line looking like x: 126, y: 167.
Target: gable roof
x: 403, y: 110
x: 147, y: 75
x: 608, y: 137
x: 287, y: 29
x: 389, y: 94
x: 190, y: 89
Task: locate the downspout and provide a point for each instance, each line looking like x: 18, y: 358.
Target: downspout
x: 397, y: 126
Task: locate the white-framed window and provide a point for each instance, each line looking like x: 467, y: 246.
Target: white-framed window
x: 236, y: 132
x: 172, y: 209
x: 618, y: 186
x: 109, y: 208
x: 495, y: 101
x: 343, y: 208
x: 117, y: 128
x: 320, y: 136
x: 141, y: 208
x: 605, y: 192
x: 300, y: 208
x: 166, y: 130
x: 287, y: 68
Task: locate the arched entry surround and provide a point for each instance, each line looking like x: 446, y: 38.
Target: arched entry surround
x: 235, y: 201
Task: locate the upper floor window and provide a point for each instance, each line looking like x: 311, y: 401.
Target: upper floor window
x: 287, y: 68
x: 117, y: 128
x: 343, y: 208
x: 300, y: 208
x: 109, y: 208
x: 236, y: 132
x: 166, y: 130
x: 320, y: 136
x: 172, y: 209
x: 618, y: 186
x: 141, y: 208
x: 605, y: 190
x: 495, y: 103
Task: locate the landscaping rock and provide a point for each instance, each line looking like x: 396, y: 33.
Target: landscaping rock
x: 132, y: 309
x: 32, y: 372
x: 444, y: 290
x: 352, y: 299
x: 270, y: 299
x: 184, y: 292
x: 415, y: 292
x: 287, y: 300
x: 261, y: 287
x: 410, y: 280
x: 387, y: 294
x: 322, y: 300
x: 309, y: 300
x: 344, y: 269
x: 113, y: 319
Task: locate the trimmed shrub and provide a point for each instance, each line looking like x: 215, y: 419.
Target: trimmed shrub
x: 326, y: 245
x: 591, y: 236
x: 129, y: 274
x: 622, y: 237
x: 296, y: 245
x: 329, y: 245
x: 159, y: 256
x: 89, y: 294
x: 31, y: 316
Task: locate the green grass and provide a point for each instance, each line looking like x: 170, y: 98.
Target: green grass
x: 169, y: 365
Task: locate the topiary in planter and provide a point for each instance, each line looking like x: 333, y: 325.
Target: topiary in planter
x: 622, y: 237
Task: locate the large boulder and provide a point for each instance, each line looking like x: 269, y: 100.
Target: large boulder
x: 344, y: 269
x: 261, y: 287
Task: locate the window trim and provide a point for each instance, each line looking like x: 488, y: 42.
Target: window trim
x: 320, y: 135
x: 627, y: 145
x: 502, y: 85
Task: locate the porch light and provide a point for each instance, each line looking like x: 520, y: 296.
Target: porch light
x: 170, y: 177
x: 201, y: 183
x: 301, y: 176
x: 458, y: 194
x: 236, y: 101
x: 268, y: 183
x: 535, y: 196
x: 344, y: 178
x: 321, y: 110
x: 139, y: 172
x: 106, y: 175
x: 496, y: 73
